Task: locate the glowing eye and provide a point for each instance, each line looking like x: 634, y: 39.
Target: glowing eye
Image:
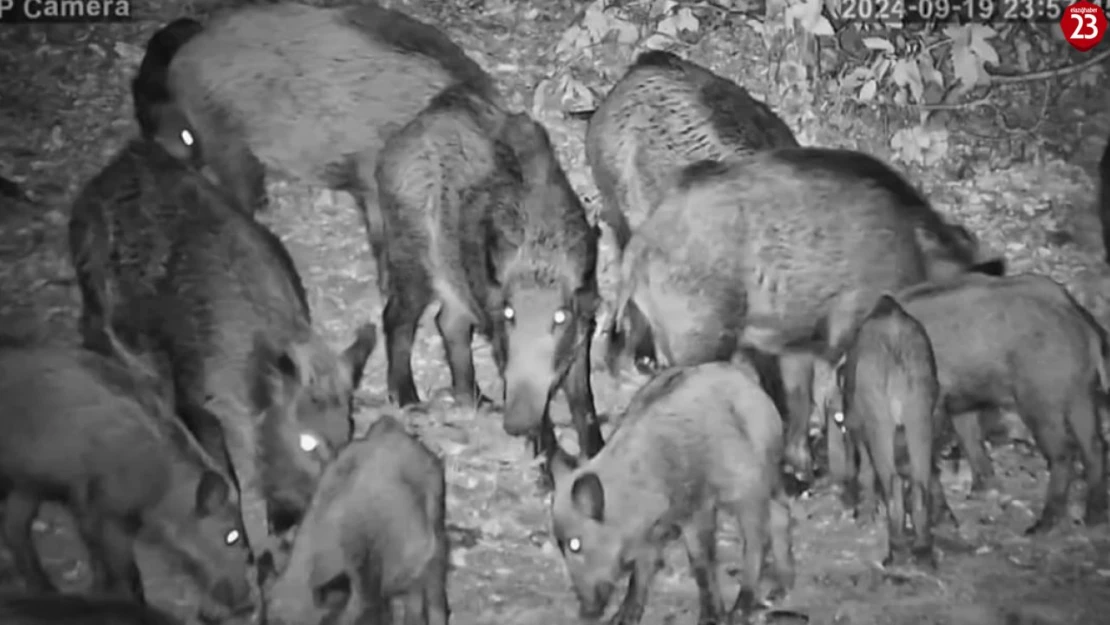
x: 838, y: 417
x: 232, y: 537
x: 574, y: 545
x: 560, y: 317
x: 309, y: 442
x: 187, y: 138
x: 509, y: 313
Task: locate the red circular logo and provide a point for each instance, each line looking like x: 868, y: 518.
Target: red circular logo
x: 1083, y: 24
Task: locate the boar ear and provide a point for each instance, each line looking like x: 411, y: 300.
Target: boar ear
x: 291, y: 361
x: 359, y: 351
x: 589, y: 496
x: 212, y: 493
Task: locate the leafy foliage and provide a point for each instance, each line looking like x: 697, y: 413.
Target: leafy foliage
x: 916, y: 67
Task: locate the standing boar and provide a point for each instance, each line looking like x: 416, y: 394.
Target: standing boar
x: 313, y: 93
x: 665, y: 113
x: 216, y: 293
x: 449, y: 188
x: 1022, y: 343
x: 374, y: 532
x: 53, y: 609
x: 693, y: 440
x: 889, y: 385
x: 98, y: 433
x: 782, y: 251
x: 553, y: 297
x: 480, y: 216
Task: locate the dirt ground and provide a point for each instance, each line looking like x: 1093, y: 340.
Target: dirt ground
x: 65, y: 108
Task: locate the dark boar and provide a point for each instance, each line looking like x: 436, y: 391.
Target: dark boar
x: 158, y: 115
x: 665, y: 113
x: 1021, y: 343
x: 449, y: 189
x: 481, y: 217
x: 1104, y: 199
x: 218, y: 296
x: 782, y: 251
x: 312, y: 93
x: 98, y: 434
x: 889, y: 386
x: 552, y: 296
x: 54, y: 609
x: 374, y: 532
x: 693, y: 440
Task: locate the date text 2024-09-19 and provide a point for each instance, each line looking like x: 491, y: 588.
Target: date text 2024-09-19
x: 975, y: 11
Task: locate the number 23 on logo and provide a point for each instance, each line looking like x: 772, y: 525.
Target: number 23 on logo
x: 1083, y: 25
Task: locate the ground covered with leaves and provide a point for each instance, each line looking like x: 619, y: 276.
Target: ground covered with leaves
x: 1011, y: 157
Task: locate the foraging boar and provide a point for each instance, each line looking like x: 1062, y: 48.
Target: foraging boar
x: 311, y: 92
x: 374, y: 531
x: 783, y: 252
x: 98, y: 433
x: 172, y: 264
x: 890, y: 391
x: 1024, y: 343
x: 692, y: 441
